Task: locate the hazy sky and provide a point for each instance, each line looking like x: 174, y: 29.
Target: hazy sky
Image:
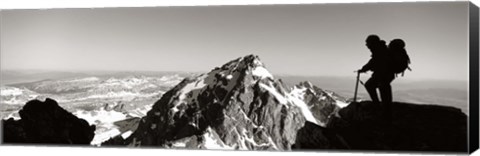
x: 321, y: 39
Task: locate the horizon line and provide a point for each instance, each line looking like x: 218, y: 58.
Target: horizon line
x: 111, y: 71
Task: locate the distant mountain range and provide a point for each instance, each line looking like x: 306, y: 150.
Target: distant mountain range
x: 101, y: 101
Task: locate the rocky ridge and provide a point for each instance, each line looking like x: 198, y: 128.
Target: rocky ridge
x: 414, y: 128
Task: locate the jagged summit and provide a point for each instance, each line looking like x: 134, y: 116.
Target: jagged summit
x: 238, y: 105
x: 250, y: 60
x: 249, y: 64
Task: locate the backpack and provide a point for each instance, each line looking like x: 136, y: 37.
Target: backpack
x: 400, y: 59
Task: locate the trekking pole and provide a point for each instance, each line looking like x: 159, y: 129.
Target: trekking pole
x: 356, y: 87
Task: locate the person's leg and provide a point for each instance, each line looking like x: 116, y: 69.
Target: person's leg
x: 386, y: 95
x: 371, y: 86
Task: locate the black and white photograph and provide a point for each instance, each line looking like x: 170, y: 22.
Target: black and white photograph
x: 387, y: 77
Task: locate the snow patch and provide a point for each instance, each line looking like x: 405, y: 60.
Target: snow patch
x: 181, y: 144
x: 11, y: 91
x: 247, y: 138
x: 212, y: 142
x: 104, y: 136
x: 104, y: 122
x: 174, y: 109
x: 261, y: 72
x: 126, y: 134
x: 14, y: 115
x: 296, y: 97
x: 341, y: 104
x: 102, y: 116
x: 14, y: 101
x: 298, y: 92
x: 272, y: 91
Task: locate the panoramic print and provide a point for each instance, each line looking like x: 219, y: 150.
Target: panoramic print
x: 310, y: 77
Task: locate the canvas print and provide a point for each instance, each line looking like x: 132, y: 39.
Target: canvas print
x: 389, y: 77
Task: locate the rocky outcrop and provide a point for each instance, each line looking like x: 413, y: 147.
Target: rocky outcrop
x: 323, y: 138
x: 47, y: 123
x: 412, y: 128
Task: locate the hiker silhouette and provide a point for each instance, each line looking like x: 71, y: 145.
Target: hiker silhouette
x: 382, y: 75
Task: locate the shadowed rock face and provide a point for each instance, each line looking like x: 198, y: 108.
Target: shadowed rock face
x: 314, y: 137
x: 47, y: 123
x: 413, y: 128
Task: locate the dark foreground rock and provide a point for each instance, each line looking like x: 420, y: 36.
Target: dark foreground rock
x: 323, y: 138
x: 47, y: 123
x: 361, y: 126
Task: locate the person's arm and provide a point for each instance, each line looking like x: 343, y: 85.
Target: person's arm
x: 367, y: 67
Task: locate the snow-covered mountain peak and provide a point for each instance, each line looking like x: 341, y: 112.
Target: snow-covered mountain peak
x: 250, y: 64
x: 239, y: 105
x: 243, y: 71
x: 249, y: 60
